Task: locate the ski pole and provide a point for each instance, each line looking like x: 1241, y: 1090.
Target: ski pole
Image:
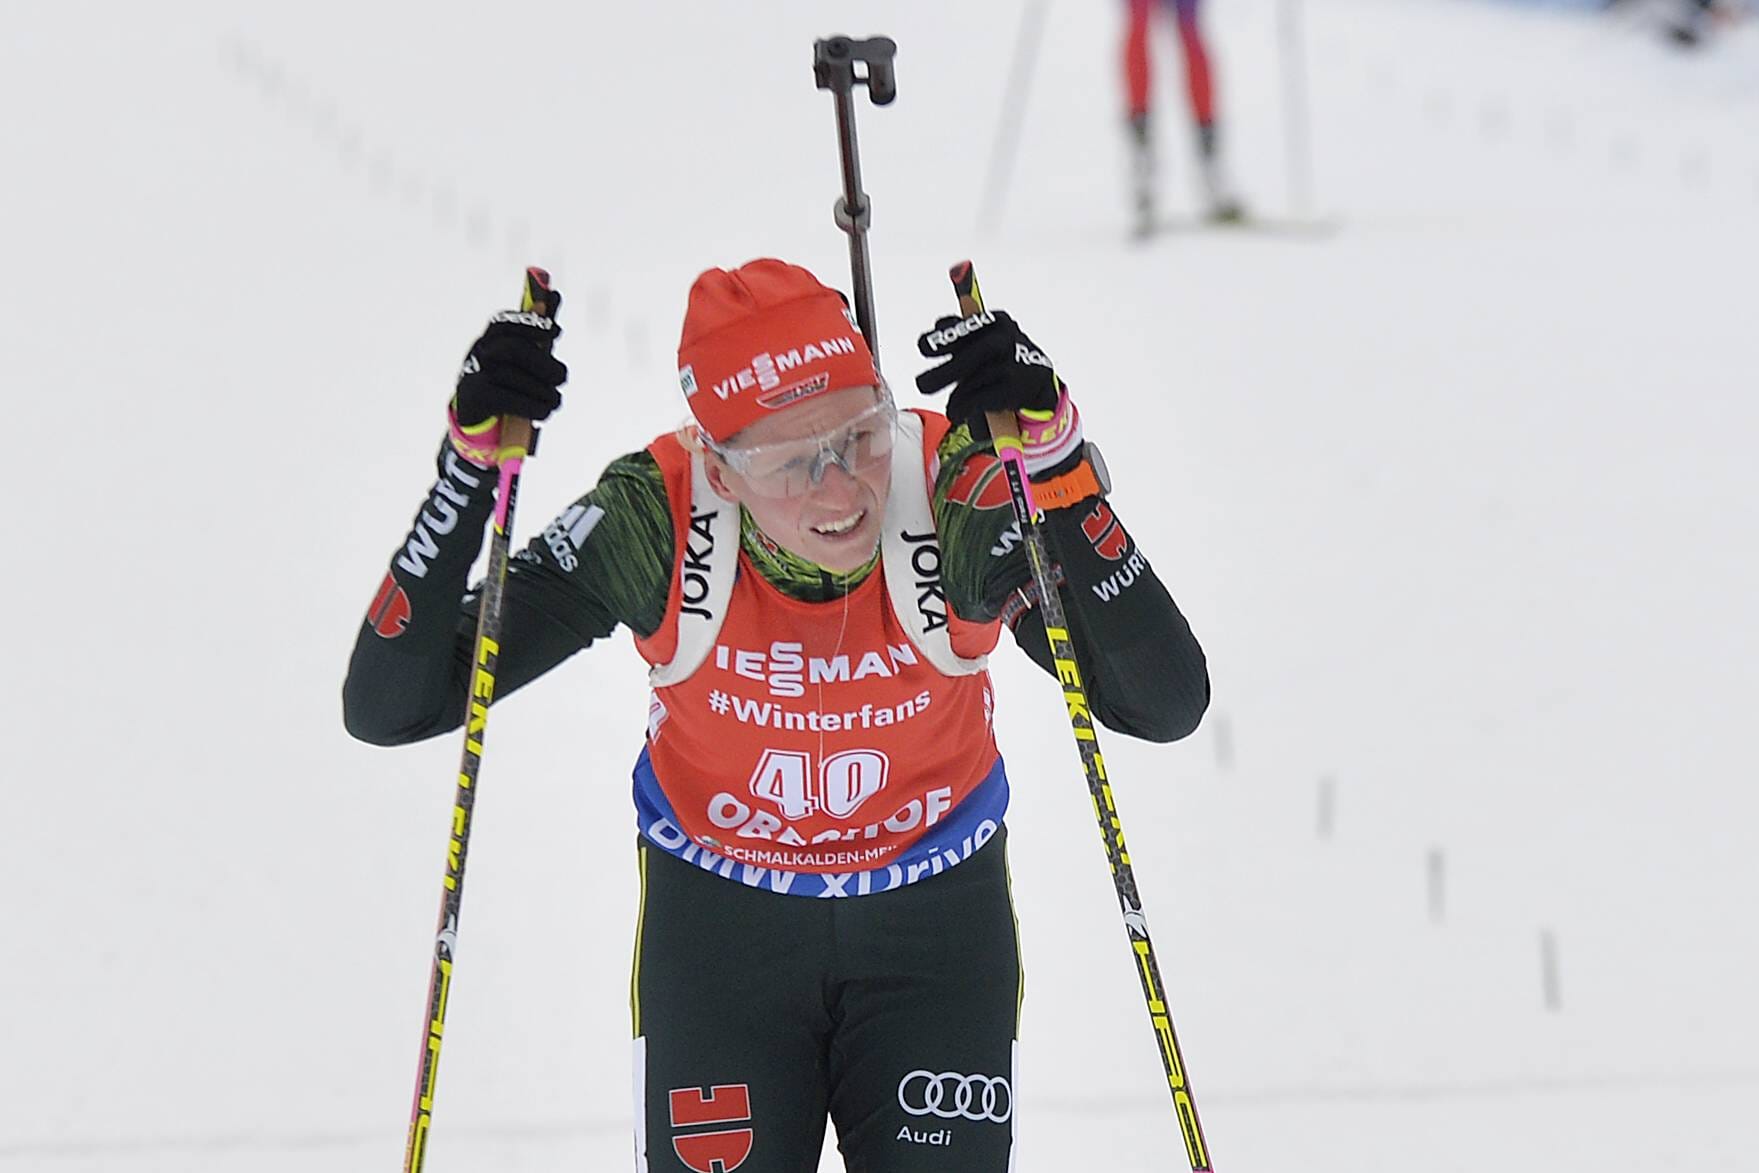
x: 996, y: 183
x: 833, y: 69
x: 518, y: 440
x: 1297, y: 142
x: 1004, y: 430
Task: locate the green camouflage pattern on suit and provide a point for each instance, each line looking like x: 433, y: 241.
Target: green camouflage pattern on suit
x: 630, y: 569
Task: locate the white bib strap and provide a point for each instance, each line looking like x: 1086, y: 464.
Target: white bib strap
x: 711, y: 557
x: 910, y: 556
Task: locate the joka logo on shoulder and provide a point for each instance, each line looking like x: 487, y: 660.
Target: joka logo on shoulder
x: 723, y: 1149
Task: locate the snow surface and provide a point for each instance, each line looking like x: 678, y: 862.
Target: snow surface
x: 1461, y: 500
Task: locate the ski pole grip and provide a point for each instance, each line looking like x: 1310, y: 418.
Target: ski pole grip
x: 1004, y: 428
x: 519, y: 435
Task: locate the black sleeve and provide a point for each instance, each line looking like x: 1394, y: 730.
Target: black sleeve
x: 408, y: 678
x: 1144, y: 671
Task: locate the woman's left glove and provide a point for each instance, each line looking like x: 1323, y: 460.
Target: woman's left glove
x: 993, y: 366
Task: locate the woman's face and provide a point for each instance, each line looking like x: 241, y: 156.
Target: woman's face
x: 833, y: 520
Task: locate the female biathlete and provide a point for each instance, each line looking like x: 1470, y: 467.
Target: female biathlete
x: 815, y: 579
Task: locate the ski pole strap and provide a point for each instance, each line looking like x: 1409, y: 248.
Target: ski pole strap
x: 1004, y: 432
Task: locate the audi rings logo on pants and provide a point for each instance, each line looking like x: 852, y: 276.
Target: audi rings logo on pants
x: 952, y: 1096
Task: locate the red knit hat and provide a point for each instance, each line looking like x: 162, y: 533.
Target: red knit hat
x: 762, y: 337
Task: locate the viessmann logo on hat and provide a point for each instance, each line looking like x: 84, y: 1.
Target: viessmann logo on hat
x: 765, y: 371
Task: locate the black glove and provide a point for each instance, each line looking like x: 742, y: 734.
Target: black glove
x: 510, y: 370
x: 991, y: 365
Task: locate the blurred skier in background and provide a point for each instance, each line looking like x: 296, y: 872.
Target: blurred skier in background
x: 1692, y: 21
x: 815, y: 578
x: 1223, y: 203
x: 1687, y: 23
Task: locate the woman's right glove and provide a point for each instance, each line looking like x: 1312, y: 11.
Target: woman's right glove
x: 509, y: 371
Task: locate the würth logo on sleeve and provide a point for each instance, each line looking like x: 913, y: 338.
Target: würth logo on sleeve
x: 721, y: 1150
x: 1103, y: 530
x: 451, y: 492
x: 389, y: 613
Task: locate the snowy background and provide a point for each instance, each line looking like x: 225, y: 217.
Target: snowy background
x: 1460, y: 498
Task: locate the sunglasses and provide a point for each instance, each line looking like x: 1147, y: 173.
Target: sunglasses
x: 790, y: 468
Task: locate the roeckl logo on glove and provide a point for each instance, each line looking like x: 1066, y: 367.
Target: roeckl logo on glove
x: 1025, y: 354
x: 958, y: 330
x: 524, y: 318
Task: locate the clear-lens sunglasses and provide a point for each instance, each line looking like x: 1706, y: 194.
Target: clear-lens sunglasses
x: 790, y: 468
